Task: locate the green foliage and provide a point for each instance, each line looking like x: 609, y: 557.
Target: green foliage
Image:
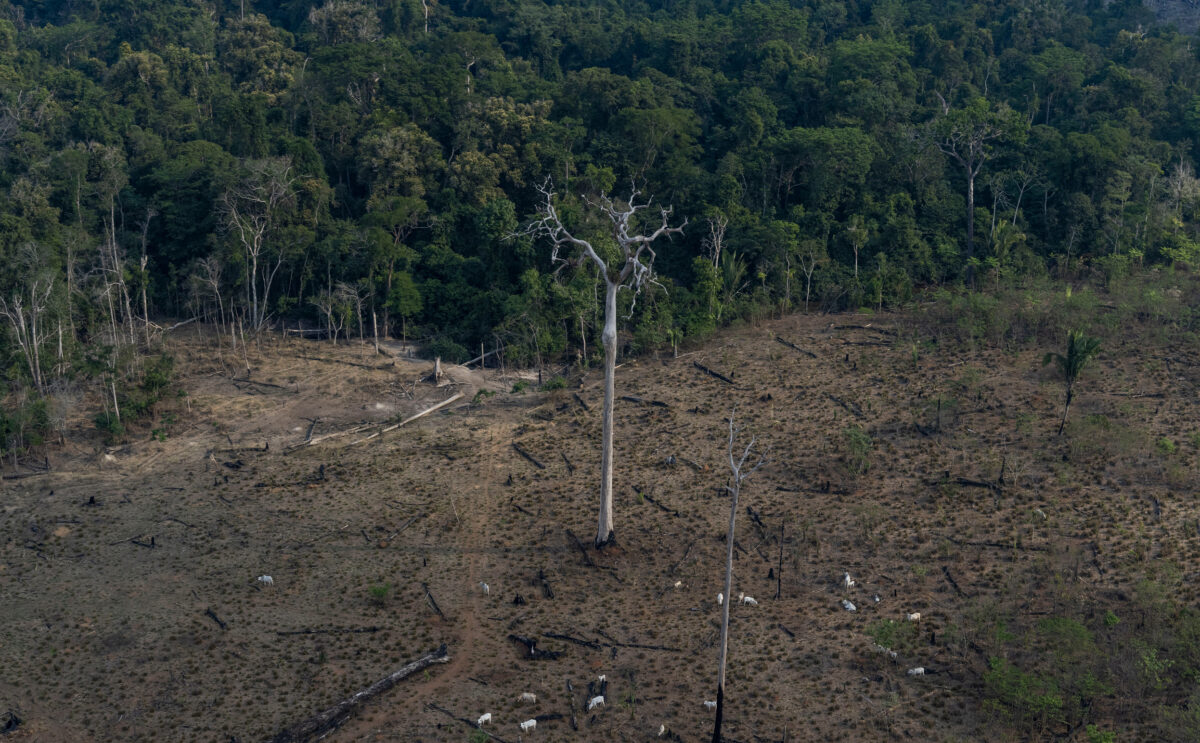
x: 836, y: 142
x: 110, y: 425
x: 901, y: 637
x: 1080, y: 350
x: 24, y: 425
x: 555, y: 383
x: 447, y: 350
x: 1024, y: 698
x: 378, y: 593
x: 1096, y: 735
x: 858, y: 446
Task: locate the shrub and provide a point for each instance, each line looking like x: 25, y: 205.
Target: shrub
x: 858, y: 449
x: 447, y: 350
x: 379, y: 593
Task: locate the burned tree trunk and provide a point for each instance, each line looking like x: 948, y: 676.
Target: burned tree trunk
x: 329, y: 720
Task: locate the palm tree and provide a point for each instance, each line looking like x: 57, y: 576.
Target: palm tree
x: 1080, y: 350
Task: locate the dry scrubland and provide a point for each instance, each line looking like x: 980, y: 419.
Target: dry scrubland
x: 916, y: 451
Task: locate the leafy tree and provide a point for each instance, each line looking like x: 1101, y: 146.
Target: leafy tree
x: 966, y: 135
x: 1080, y: 350
x: 253, y: 208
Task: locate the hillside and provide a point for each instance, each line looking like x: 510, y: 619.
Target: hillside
x: 915, y: 450
x: 356, y: 166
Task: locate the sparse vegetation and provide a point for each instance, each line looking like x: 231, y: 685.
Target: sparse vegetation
x: 1071, y: 572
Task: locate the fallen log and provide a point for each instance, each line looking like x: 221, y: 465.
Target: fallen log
x: 22, y: 475
x: 997, y: 545
x: 794, y: 347
x: 330, y: 631
x: 238, y: 380
x: 582, y: 404
x: 571, y: 704
x: 757, y: 519
x: 528, y: 456
x: 686, y: 552
x: 570, y: 467
x: 613, y: 642
x: 240, y: 449
x: 465, y: 721
x: 213, y: 616
x: 646, y: 495
x: 850, y: 407
x: 534, y: 652
x: 711, y: 373
x: 481, y: 357
x: 953, y: 583
x: 576, y: 640
x: 643, y: 401
x: 429, y: 597
x: 587, y: 559
x: 872, y: 328
x: 331, y: 719
x: 412, y: 418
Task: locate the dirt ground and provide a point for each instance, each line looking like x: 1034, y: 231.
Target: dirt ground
x: 132, y: 609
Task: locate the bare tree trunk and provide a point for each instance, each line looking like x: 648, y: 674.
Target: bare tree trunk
x: 145, y: 304
x: 583, y: 338
x: 739, y: 476
x: 604, y: 534
x: 970, y: 222
x: 725, y: 611
x: 116, y: 406
x: 1066, y: 409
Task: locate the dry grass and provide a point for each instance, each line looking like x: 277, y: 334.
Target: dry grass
x: 104, y: 639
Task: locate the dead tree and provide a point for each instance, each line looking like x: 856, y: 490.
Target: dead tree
x: 740, y: 475
x: 325, y: 722
x: 29, y: 324
x: 632, y: 268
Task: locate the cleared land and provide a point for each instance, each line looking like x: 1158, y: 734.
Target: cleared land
x: 928, y: 469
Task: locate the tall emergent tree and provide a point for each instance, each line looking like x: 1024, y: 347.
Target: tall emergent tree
x: 1080, y: 350
x: 965, y: 136
x: 630, y: 266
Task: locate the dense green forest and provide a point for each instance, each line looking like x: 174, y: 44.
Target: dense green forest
x: 354, y: 164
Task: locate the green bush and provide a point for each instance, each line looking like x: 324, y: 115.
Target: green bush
x: 108, y: 424
x: 858, y: 449
x: 1024, y: 698
x: 893, y: 635
x: 447, y: 350
x: 378, y: 593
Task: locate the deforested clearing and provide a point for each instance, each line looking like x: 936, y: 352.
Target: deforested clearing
x: 1053, y: 577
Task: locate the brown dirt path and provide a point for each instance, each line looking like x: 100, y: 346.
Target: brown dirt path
x: 467, y: 648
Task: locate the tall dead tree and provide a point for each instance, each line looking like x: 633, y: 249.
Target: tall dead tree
x: 29, y: 325
x: 631, y: 268
x: 740, y: 475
